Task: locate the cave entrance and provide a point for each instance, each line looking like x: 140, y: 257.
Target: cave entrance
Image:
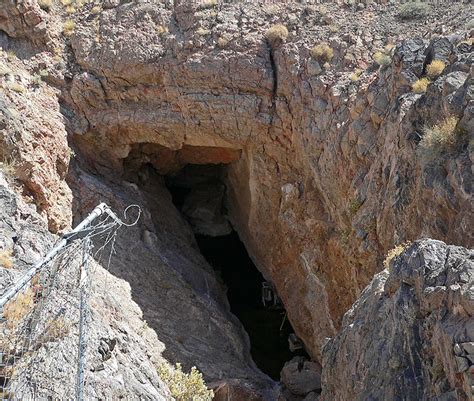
x: 198, y: 191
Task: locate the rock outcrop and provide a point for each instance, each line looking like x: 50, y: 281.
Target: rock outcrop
x: 323, y: 168
x: 329, y: 176
x: 410, y: 334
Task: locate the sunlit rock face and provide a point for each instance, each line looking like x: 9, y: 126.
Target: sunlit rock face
x: 324, y: 174
x: 424, y: 305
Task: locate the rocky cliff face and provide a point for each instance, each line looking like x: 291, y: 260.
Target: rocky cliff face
x: 161, y: 75
x: 410, y: 334
x: 324, y: 171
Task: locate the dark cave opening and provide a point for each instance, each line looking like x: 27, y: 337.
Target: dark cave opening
x: 199, y: 193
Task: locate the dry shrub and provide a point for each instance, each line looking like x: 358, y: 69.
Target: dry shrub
x: 207, y: 4
x: 435, y: 68
x: 202, y: 32
x: 162, y: 30
x: 56, y: 329
x: 441, y: 138
x: 395, y: 252
x: 45, y: 4
x: 413, y: 10
x: 382, y: 59
x: 16, y: 310
x: 185, y: 386
x: 421, y: 85
x: 356, y: 75
x: 6, y: 259
x: 276, y: 35
x: 16, y: 87
x: 222, y: 42
x: 322, y: 52
x: 68, y: 27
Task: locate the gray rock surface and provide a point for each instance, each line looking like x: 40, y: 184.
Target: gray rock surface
x: 399, y: 340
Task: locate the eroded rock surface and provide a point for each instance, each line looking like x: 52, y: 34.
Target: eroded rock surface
x: 409, y: 334
x: 329, y: 176
x: 323, y: 169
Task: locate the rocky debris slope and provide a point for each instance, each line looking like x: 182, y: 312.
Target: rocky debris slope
x: 118, y: 338
x: 178, y: 292
x: 410, y: 335
x: 205, y: 79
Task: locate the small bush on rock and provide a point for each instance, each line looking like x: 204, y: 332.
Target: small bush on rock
x: 395, y: 252
x: 441, y: 138
x: 413, y: 10
x: 276, y: 35
x: 68, y: 27
x: 356, y: 75
x: 6, y: 260
x: 421, y: 85
x: 45, y: 4
x: 185, y: 386
x: 322, y: 52
x: 435, y: 68
x: 16, y: 309
x: 382, y: 59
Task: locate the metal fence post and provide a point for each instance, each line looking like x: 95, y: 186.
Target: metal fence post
x: 84, y: 309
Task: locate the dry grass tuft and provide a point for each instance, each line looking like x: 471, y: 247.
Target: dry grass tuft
x: 413, y: 10
x: 355, y: 76
x: 435, y: 68
x: 162, y: 30
x: 322, y: 52
x: 441, y: 138
x: 6, y: 259
x: 395, y: 252
x: 276, y: 35
x: 222, y: 42
x: 208, y: 4
x: 16, y: 310
x: 45, y: 4
x: 185, y: 386
x: 17, y: 87
x: 68, y: 27
x: 421, y: 85
x: 382, y: 59
x: 96, y: 10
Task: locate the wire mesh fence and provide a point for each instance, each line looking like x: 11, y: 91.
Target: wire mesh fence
x: 45, y: 315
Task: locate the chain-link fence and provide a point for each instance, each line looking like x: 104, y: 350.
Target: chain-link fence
x: 45, y: 315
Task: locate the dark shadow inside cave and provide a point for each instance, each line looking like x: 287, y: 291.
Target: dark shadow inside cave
x: 199, y: 192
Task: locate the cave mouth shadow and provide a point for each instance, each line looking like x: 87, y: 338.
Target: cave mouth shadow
x: 198, y: 192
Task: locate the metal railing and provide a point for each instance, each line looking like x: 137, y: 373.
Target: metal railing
x: 45, y: 315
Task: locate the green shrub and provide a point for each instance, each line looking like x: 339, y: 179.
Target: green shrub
x: 185, y: 386
x: 413, y: 10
